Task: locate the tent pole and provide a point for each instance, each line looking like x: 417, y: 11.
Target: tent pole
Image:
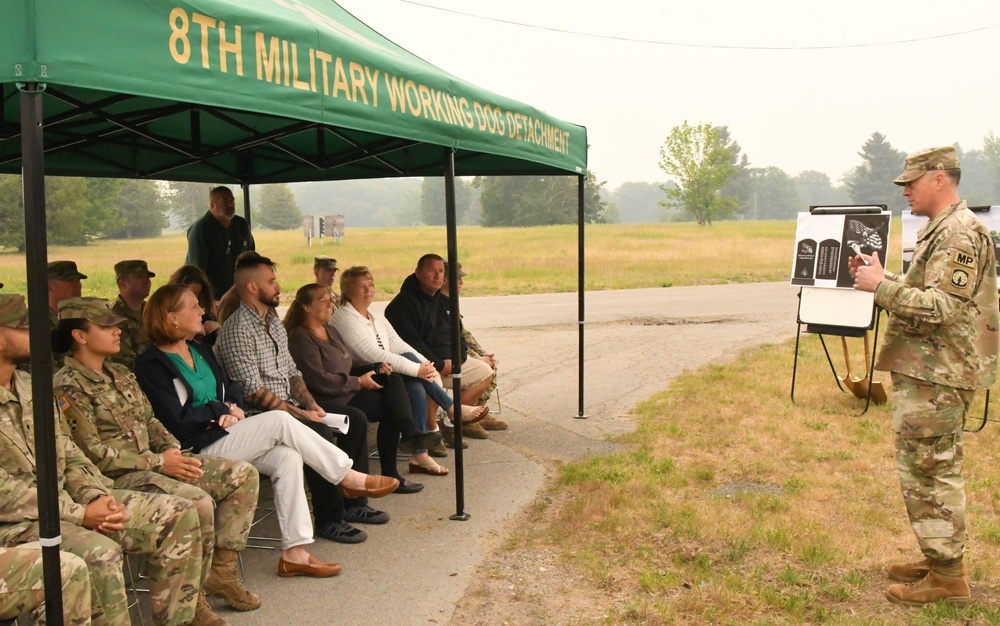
x: 456, y: 330
x: 246, y: 204
x: 581, y: 314
x: 36, y: 258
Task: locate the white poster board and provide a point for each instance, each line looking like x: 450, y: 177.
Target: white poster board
x: 826, y: 237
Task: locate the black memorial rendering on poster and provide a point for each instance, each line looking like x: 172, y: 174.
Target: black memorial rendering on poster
x: 825, y: 241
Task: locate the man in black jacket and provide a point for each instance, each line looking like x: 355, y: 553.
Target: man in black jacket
x: 421, y: 315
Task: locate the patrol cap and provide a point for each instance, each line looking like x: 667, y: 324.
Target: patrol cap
x: 461, y: 273
x: 64, y: 270
x: 323, y: 262
x: 134, y: 268
x: 931, y: 159
x: 96, y: 310
x: 13, y: 311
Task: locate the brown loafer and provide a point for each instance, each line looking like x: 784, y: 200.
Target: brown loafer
x: 375, y: 487
x: 314, y: 569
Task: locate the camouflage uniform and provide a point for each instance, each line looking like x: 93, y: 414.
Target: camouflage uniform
x: 113, y: 423
x: 476, y: 350
x: 134, y: 339
x: 164, y: 528
x: 22, y: 587
x: 941, y: 345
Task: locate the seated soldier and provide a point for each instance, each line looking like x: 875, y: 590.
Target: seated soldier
x: 112, y: 421
x: 253, y: 351
x: 476, y: 351
x: 23, y: 587
x: 64, y: 283
x: 96, y: 522
x: 133, y: 288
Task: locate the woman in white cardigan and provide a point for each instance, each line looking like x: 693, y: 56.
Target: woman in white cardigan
x: 371, y: 339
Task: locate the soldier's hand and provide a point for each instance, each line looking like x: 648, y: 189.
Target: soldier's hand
x: 181, y: 467
x: 104, y: 515
x: 489, y: 360
x: 867, y: 277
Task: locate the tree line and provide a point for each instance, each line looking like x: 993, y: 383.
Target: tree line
x: 710, y: 179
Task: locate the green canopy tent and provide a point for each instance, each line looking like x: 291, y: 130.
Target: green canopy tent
x: 262, y: 91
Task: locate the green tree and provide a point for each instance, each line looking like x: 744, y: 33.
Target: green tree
x: 738, y: 185
x: 278, y: 208
x: 816, y: 189
x: 141, y: 211
x: 977, y: 184
x: 991, y: 152
x: 104, y: 195
x: 11, y: 212
x: 432, y: 208
x: 67, y: 207
x: 871, y: 182
x: 700, y: 161
x: 538, y: 200
x: 188, y: 201
x: 637, y: 203
x: 775, y: 197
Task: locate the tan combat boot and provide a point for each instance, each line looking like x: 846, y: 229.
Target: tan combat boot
x: 909, y: 572
x: 943, y: 583
x: 204, y: 615
x: 224, y: 580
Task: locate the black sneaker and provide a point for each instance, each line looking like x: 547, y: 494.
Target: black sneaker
x: 419, y: 441
x: 367, y: 515
x: 408, y: 486
x: 341, y: 532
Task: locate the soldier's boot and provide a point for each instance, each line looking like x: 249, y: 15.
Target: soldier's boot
x: 909, y: 572
x: 224, y: 581
x: 204, y: 615
x: 945, y: 582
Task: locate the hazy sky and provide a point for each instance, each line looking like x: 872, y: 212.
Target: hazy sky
x: 797, y: 109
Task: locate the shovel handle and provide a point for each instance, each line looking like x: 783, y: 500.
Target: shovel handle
x: 847, y: 357
x: 868, y: 356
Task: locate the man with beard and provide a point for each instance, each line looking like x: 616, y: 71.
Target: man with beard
x: 252, y: 349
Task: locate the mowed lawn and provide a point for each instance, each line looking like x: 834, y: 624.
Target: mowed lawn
x: 501, y: 260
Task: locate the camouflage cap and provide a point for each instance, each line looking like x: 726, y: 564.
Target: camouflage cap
x: 64, y: 270
x: 134, y: 268
x: 13, y: 311
x: 323, y: 262
x: 461, y: 273
x: 96, y: 310
x: 919, y: 163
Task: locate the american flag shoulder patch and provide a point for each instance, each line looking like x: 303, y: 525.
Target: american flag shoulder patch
x: 63, y: 404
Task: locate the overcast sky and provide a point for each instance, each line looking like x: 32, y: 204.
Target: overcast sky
x: 796, y: 108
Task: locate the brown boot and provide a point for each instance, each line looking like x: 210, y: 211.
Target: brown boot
x: 448, y: 434
x: 204, y: 615
x: 909, y: 572
x: 474, y: 431
x: 491, y: 423
x: 224, y: 580
x: 947, y: 583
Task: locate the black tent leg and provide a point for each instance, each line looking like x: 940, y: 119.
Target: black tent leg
x: 581, y: 313
x: 36, y: 257
x: 246, y: 205
x: 456, y: 331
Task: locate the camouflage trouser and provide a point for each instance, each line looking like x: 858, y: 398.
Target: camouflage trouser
x: 225, y: 498
x: 165, y: 529
x: 22, y: 588
x: 103, y: 557
x: 928, y: 421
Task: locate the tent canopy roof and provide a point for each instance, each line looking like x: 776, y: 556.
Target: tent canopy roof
x: 260, y: 92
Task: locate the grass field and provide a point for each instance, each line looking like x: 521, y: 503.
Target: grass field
x: 500, y: 260
x: 734, y: 506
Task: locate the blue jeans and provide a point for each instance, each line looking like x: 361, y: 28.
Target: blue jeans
x: 418, y: 389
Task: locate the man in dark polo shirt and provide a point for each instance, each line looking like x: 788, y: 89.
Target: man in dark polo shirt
x: 217, y: 238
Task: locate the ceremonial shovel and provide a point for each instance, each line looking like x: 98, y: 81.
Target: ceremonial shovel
x: 853, y: 384
x: 878, y: 391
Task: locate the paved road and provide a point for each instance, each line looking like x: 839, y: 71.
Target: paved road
x: 415, y: 569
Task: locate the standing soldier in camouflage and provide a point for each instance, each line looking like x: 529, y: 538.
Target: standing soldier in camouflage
x: 97, y: 523
x: 940, y: 346
x: 133, y: 289
x: 112, y: 421
x: 325, y: 270
x: 64, y: 282
x: 22, y: 587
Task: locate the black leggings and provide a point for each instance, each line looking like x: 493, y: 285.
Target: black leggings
x: 327, y: 499
x: 390, y: 407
